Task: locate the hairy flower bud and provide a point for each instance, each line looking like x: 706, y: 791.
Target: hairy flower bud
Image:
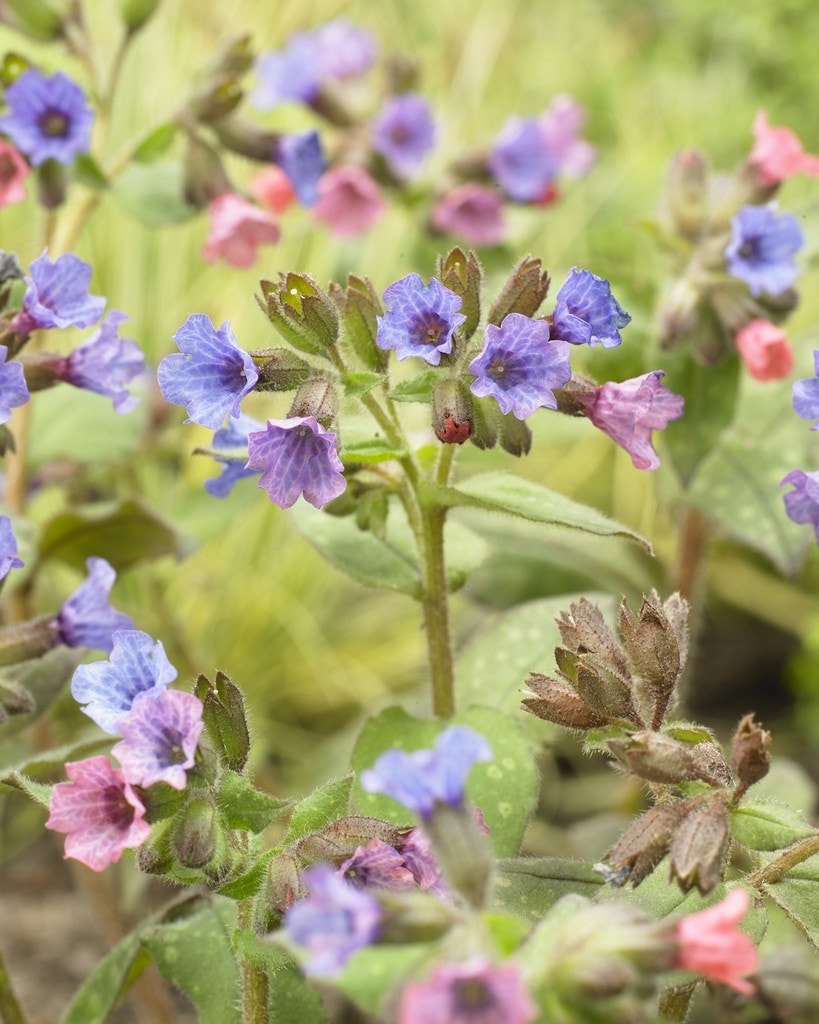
x: 205, y: 177
x: 451, y: 411
x: 461, y: 850
x: 359, y: 307
x: 700, y: 845
x: 196, y: 833
x: 245, y: 138
x: 515, y: 435
x: 688, y: 191
x: 302, y: 313
x: 52, y: 184
x: 136, y: 13
x: 316, y: 398
x: 558, y: 703
x: 655, y: 757
x: 283, y: 885
x: 461, y: 273
x: 679, y: 312
x: 280, y: 370
x: 643, y: 845
x: 14, y: 700
x: 523, y: 292
x: 749, y: 752
x: 225, y: 717
x: 655, y: 651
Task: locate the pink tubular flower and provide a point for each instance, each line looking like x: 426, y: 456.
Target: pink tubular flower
x: 474, y: 992
x: 99, y: 812
x: 349, y: 201
x: 471, y: 212
x: 273, y: 189
x: 711, y: 944
x: 237, y: 229
x: 778, y: 154
x: 765, y: 350
x: 13, y: 170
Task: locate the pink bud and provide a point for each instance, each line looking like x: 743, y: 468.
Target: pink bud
x: 237, y: 229
x: 13, y: 169
x: 471, y: 212
x: 765, y: 350
x: 778, y: 154
x: 711, y: 944
x: 349, y: 201
x: 273, y: 189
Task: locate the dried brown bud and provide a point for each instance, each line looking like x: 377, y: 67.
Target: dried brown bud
x: 700, y: 846
x: 556, y: 702
x: 583, y: 629
x: 655, y: 757
x: 523, y: 292
x: 604, y: 689
x: 749, y: 752
x: 711, y: 764
x: 643, y: 845
x: 654, y: 649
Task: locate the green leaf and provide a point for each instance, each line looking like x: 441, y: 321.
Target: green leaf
x: 292, y: 1000
x: 765, y: 825
x: 503, y: 492
x: 89, y: 173
x: 250, y: 882
x: 529, y: 886
x: 689, y: 732
x: 419, y: 389
x: 152, y: 193
x: 373, y: 973
x: 358, y: 383
x: 246, y: 807
x: 49, y: 760
x: 127, y: 533
x: 44, y: 679
x: 326, y: 804
x: 371, y: 450
x: 798, y: 898
x: 104, y: 987
x: 155, y: 144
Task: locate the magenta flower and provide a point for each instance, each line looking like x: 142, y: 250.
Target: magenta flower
x: 159, y: 737
x: 404, y: 133
x: 520, y: 365
x: 86, y: 619
x: 471, y: 212
x: 210, y: 375
x: 630, y: 411
x: 49, y: 118
x: 105, y: 364
x: 13, y: 387
x: 778, y: 154
x: 586, y: 312
x: 762, y: 248
x: 234, y: 436
x: 806, y: 394
x: 473, y: 992
x: 349, y: 201
x: 296, y: 456
x: 333, y: 922
x: 765, y: 350
x: 57, y: 295
x: 802, y: 503
x: 420, y: 319
x: 13, y: 172
x: 560, y: 125
x: 377, y: 866
x: 237, y: 229
x: 711, y: 944
x: 8, y: 549
x: 99, y: 812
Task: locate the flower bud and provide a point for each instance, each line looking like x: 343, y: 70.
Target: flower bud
x: 136, y: 13
x: 485, y: 415
x: 280, y: 370
x: 247, y: 139
x: 523, y: 292
x: 643, y: 845
x: 195, y: 834
x: 316, y: 398
x: 216, y: 100
x: 283, y: 885
x: 205, y: 177
x: 461, y: 273
x: 155, y: 855
x: 688, y: 191
x: 25, y: 640
x: 52, y: 184
x: 700, y: 845
x: 14, y: 700
x: 655, y: 757
x: 414, y: 916
x: 749, y: 752
x: 225, y: 718
x: 679, y: 311
x: 302, y: 313
x: 461, y: 850
x: 38, y: 19
x: 558, y: 703
x: 359, y: 307
x: 655, y: 651
x: 451, y: 411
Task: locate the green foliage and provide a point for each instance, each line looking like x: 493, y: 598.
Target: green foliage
x: 530, y: 886
x: 762, y: 824
x: 246, y: 807
x: 328, y: 803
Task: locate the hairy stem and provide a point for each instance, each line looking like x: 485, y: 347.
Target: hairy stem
x: 435, y: 604
x: 787, y: 859
x: 254, y: 978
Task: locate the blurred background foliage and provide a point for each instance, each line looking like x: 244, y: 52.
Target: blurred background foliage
x: 247, y: 594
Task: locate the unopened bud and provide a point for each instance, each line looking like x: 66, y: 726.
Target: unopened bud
x: 283, y: 885
x: 653, y: 648
x: 52, y: 184
x: 359, y: 307
x: 280, y: 370
x: 558, y: 703
x: 523, y: 292
x: 485, y: 416
x: 414, y: 916
x: 247, y: 139
x: 195, y: 834
x: 679, y: 311
x: 643, y: 845
x: 515, y: 435
x: 26, y: 640
x: 155, y: 854
x: 655, y: 757
x: 215, y: 100
x: 225, y: 717
x: 38, y: 19
x: 451, y: 411
x: 688, y: 191
x: 461, y: 850
x: 302, y: 313
x: 749, y: 752
x: 461, y: 273
x: 700, y: 845
x: 316, y: 398
x: 205, y: 177
x: 14, y: 700
x: 136, y: 13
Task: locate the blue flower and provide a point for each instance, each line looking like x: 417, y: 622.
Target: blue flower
x: 519, y: 366
x: 108, y: 689
x: 521, y: 161
x: 212, y: 374
x: 57, y: 295
x: 333, y: 922
x: 13, y: 387
x: 802, y: 503
x: 49, y: 118
x: 586, y: 312
x: 763, y: 244
x: 233, y: 435
x: 160, y: 734
x: 8, y: 549
x: 377, y: 866
x: 105, y: 363
x: 86, y: 619
x: 296, y: 456
x: 806, y: 394
x: 404, y: 133
x: 301, y: 158
x: 422, y: 779
x: 420, y: 320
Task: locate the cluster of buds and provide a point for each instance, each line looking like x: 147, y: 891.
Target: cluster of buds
x: 619, y: 691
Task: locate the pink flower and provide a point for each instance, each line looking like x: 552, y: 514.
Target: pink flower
x: 99, y: 812
x: 473, y: 992
x: 765, y: 350
x: 273, y: 189
x: 778, y: 153
x: 13, y: 170
x: 349, y: 201
x: 237, y: 229
x: 560, y: 125
x: 712, y: 945
x: 471, y: 212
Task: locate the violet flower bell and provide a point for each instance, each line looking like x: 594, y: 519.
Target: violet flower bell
x: 296, y: 457
x: 349, y: 202
x: 420, y: 319
x: 86, y: 619
x: 105, y: 364
x: 471, y: 212
x: 13, y: 387
x: 802, y: 503
x: 586, y: 312
x: 57, y: 295
x: 301, y: 158
x: 232, y: 436
x: 762, y: 249
x: 377, y: 866
x: 521, y: 162
x: 806, y: 395
x: 8, y: 549
x: 472, y: 992
x: 159, y: 738
x: 49, y: 118
x: 404, y: 133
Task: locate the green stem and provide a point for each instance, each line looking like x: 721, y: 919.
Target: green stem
x: 775, y: 869
x: 10, y: 1010
x: 254, y: 978
x: 674, y: 1003
x: 435, y: 604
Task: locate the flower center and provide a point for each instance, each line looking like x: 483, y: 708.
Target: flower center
x: 472, y: 994
x: 117, y: 809
x: 54, y: 124
x: 747, y: 250
x: 498, y: 370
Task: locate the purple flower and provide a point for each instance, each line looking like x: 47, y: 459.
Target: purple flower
x: 802, y: 503
x: 377, y: 865
x: 343, y: 50
x: 301, y: 158
x: 108, y: 689
x: 560, y: 127
x: 86, y: 619
x: 13, y: 387
x: 99, y: 812
x: 763, y: 244
x: 212, y: 374
x: 423, y: 865
x: 630, y: 411
x: 806, y: 394
x: 49, y: 118
x: 8, y: 549
x: 333, y: 922
x: 519, y: 366
x: 403, y: 133
x: 423, y: 778
x: 471, y: 212
x: 105, y: 363
x: 57, y: 295
x: 586, y: 313
x: 160, y: 734
x: 420, y: 320
x: 473, y: 992
x: 521, y: 162
x: 233, y: 435
x: 296, y: 456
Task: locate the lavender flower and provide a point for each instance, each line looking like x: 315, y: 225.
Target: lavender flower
x: 301, y: 158
x: 13, y: 387
x: 99, y: 812
x: 8, y: 549
x: 420, y: 320
x: 472, y: 212
x: 630, y: 411
x: 763, y: 244
x: 423, y: 865
x: 297, y: 456
x: 233, y: 435
x: 560, y: 126
x: 521, y: 162
x: 160, y: 734
x: 423, y: 778
x: 403, y: 133
x: 474, y: 992
x: 57, y: 295
x: 806, y: 394
x: 49, y: 118
x: 86, y: 619
x: 333, y: 922
x: 378, y: 866
x: 519, y: 366
x: 108, y: 689
x: 212, y: 374
x: 586, y: 312
x: 105, y: 364
x: 802, y: 503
